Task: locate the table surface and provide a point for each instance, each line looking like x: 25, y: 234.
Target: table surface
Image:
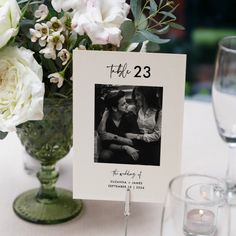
x: 203, y: 152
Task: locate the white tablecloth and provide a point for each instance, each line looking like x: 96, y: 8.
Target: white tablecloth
x: 203, y: 152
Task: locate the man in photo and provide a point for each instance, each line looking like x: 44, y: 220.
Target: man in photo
x: 116, y: 122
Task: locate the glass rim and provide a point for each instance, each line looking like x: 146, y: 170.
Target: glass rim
x: 195, y: 202
x: 225, y: 47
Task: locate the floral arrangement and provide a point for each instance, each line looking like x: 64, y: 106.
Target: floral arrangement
x: 37, y: 39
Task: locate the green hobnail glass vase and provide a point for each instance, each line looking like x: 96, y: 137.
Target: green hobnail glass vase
x: 48, y: 141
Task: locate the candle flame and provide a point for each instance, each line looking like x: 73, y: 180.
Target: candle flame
x: 201, y: 212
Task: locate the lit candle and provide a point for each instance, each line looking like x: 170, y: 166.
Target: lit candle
x: 199, y: 221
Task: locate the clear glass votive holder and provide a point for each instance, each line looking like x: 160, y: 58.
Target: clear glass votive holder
x: 196, y: 205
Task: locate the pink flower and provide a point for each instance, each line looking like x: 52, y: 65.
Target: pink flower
x: 101, y: 21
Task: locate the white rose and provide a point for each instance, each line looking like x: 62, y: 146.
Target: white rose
x: 9, y: 19
x: 66, y: 5
x: 101, y: 21
x: 21, y: 88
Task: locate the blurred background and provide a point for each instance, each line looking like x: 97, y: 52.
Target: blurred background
x: 205, y: 22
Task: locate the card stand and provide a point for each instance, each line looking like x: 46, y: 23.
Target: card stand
x: 127, y: 210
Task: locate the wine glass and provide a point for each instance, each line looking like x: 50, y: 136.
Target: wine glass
x: 224, y: 106
x: 195, y: 205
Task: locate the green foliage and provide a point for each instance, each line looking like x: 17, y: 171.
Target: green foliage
x: 153, y: 7
x: 127, y: 30
x: 136, y: 9
x: 153, y: 47
x: 153, y: 38
x: 3, y: 135
x: 152, y: 20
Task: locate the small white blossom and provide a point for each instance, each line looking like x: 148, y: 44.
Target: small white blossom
x: 40, y: 32
x: 56, y: 78
x: 56, y: 24
x: 56, y: 39
x: 41, y: 13
x: 64, y: 55
x: 35, y: 35
x: 49, y: 52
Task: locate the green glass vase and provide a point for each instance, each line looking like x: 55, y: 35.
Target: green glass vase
x: 48, y: 141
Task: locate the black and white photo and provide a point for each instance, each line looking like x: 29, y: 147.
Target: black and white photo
x: 128, y: 124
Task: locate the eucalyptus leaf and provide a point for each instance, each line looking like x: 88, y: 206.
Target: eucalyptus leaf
x: 138, y: 38
x: 152, y: 47
x: 143, y: 22
x: 3, y: 134
x: 123, y: 46
x: 163, y: 30
x: 177, y: 26
x: 127, y: 30
x: 36, y: 2
x: 22, y: 1
x: 168, y: 14
x: 135, y: 6
x: 138, y: 48
x: 153, y: 38
x: 153, y: 6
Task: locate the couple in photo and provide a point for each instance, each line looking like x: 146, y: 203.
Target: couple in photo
x: 131, y: 133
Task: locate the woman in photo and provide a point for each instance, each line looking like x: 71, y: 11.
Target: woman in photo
x: 148, y: 101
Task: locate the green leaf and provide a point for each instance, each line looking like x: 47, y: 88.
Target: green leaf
x: 176, y: 26
x: 123, y: 46
x: 135, y: 6
x: 163, y: 30
x: 72, y: 40
x: 153, y: 6
x: 35, y: 2
x: 138, y: 48
x: 143, y: 22
x: 49, y: 65
x: 138, y: 38
x: 153, y: 38
x: 127, y: 30
x: 152, y: 47
x: 3, y: 134
x: 26, y: 24
x: 22, y: 1
x: 168, y: 14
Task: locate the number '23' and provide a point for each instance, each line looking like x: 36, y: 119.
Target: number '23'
x: 146, y: 74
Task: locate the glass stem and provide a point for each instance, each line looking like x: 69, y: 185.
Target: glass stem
x: 47, y: 176
x: 231, y: 168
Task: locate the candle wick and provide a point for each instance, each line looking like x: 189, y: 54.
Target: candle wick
x: 201, y: 213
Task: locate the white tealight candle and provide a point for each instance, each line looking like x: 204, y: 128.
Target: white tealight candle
x: 200, y: 222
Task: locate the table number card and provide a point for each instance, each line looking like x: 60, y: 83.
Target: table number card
x: 127, y: 124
